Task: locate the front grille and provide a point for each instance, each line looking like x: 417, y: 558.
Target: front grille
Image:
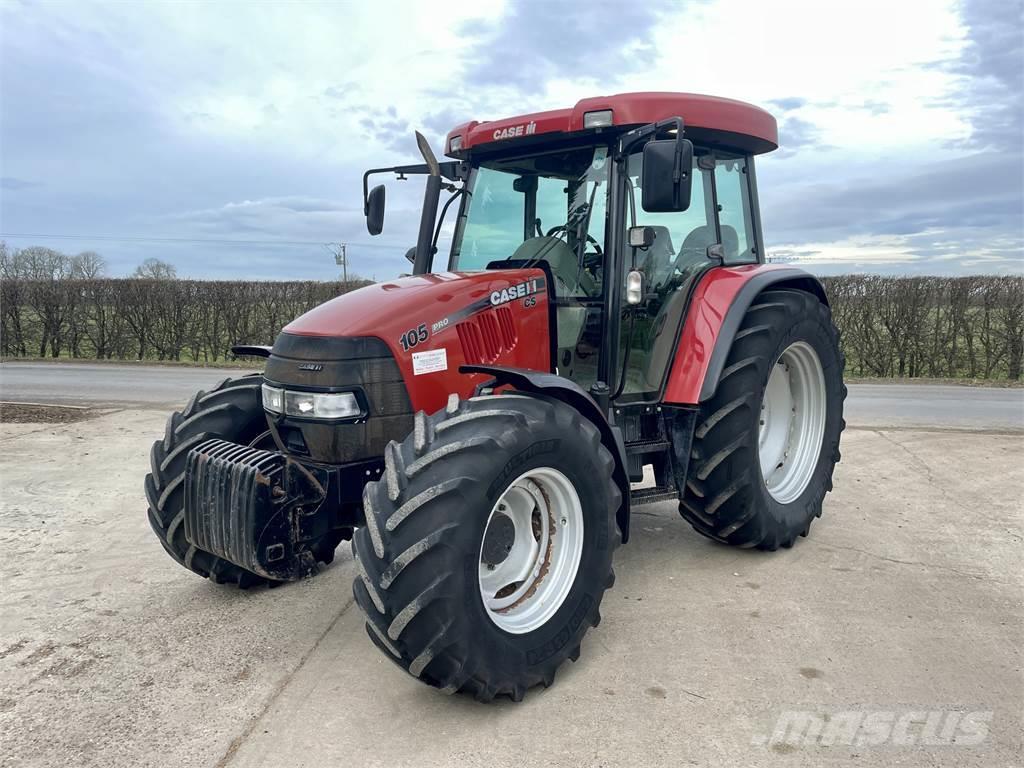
x: 365, y: 363
x: 485, y: 336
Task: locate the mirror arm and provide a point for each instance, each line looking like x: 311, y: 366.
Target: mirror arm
x: 456, y: 194
x: 637, y: 136
x: 453, y: 170
x: 678, y: 172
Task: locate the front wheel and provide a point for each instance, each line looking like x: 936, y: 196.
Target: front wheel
x: 230, y: 411
x: 766, y: 444
x: 488, y: 544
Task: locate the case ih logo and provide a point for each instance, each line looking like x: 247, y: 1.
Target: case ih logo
x: 515, y: 131
x: 311, y: 366
x: 514, y: 292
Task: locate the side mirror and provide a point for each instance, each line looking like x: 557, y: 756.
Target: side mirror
x: 410, y: 255
x: 667, y: 176
x: 375, y: 210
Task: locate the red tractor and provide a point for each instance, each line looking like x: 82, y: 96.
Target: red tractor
x: 477, y: 427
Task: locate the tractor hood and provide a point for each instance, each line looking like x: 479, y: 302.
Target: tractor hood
x: 430, y: 325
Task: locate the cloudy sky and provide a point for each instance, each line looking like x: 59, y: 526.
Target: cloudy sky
x: 229, y: 138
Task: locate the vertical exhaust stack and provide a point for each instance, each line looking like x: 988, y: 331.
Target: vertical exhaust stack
x: 431, y: 196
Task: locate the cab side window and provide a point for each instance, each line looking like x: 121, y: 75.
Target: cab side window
x: 680, y: 239
x: 734, y: 210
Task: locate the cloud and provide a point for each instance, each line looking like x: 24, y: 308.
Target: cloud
x: 993, y: 68
x: 230, y: 124
x: 877, y: 107
x: 386, y: 127
x: 11, y: 183
x: 533, y: 42
x: 786, y: 103
x: 338, y: 91
x: 960, y: 205
x: 978, y: 190
x: 436, y: 125
x: 796, y: 133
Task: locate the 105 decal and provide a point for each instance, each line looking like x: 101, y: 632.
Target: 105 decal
x: 414, y: 336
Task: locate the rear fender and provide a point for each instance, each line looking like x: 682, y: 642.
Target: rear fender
x: 713, y: 319
x: 572, y: 394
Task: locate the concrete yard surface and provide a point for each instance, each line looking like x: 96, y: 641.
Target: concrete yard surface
x: 906, y: 599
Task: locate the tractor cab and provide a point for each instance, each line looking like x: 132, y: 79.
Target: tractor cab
x: 598, y: 197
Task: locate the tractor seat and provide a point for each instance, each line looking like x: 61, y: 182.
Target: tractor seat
x: 659, y: 260
x: 571, y: 280
x: 695, y: 246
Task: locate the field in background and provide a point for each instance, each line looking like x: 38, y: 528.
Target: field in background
x: 892, y: 327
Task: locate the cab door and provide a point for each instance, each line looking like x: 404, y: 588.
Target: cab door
x: 720, y: 213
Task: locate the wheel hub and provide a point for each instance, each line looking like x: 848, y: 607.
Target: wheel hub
x: 792, y: 422
x: 531, y: 550
x: 498, y: 541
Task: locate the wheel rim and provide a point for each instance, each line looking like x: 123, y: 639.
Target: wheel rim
x: 531, y: 550
x: 792, y: 422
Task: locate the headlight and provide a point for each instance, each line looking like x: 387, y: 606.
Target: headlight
x: 273, y: 399
x: 598, y: 119
x: 342, y: 405
x: 311, y: 405
x: 298, y: 403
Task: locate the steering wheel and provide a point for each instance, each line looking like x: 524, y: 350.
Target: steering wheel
x: 590, y: 239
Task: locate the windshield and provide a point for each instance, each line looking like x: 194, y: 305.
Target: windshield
x: 548, y: 207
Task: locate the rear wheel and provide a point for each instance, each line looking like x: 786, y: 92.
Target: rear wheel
x: 488, y: 544
x: 231, y: 411
x: 766, y: 444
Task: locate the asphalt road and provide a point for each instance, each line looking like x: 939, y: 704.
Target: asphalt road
x: 153, y: 386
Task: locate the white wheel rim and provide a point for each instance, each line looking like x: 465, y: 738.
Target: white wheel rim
x: 531, y: 550
x: 792, y: 423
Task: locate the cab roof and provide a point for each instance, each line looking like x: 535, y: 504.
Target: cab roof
x: 707, y: 119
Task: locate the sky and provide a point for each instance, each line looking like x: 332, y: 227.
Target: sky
x: 229, y: 139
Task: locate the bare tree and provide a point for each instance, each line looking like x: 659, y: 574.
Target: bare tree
x: 47, y: 272
x: 890, y: 326
x: 155, y: 269
x: 88, y: 265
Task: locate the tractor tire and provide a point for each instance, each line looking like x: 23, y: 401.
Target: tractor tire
x: 232, y: 411
x: 765, y: 445
x: 442, y: 537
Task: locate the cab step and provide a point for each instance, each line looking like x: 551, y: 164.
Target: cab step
x: 647, y: 446
x: 652, y: 495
